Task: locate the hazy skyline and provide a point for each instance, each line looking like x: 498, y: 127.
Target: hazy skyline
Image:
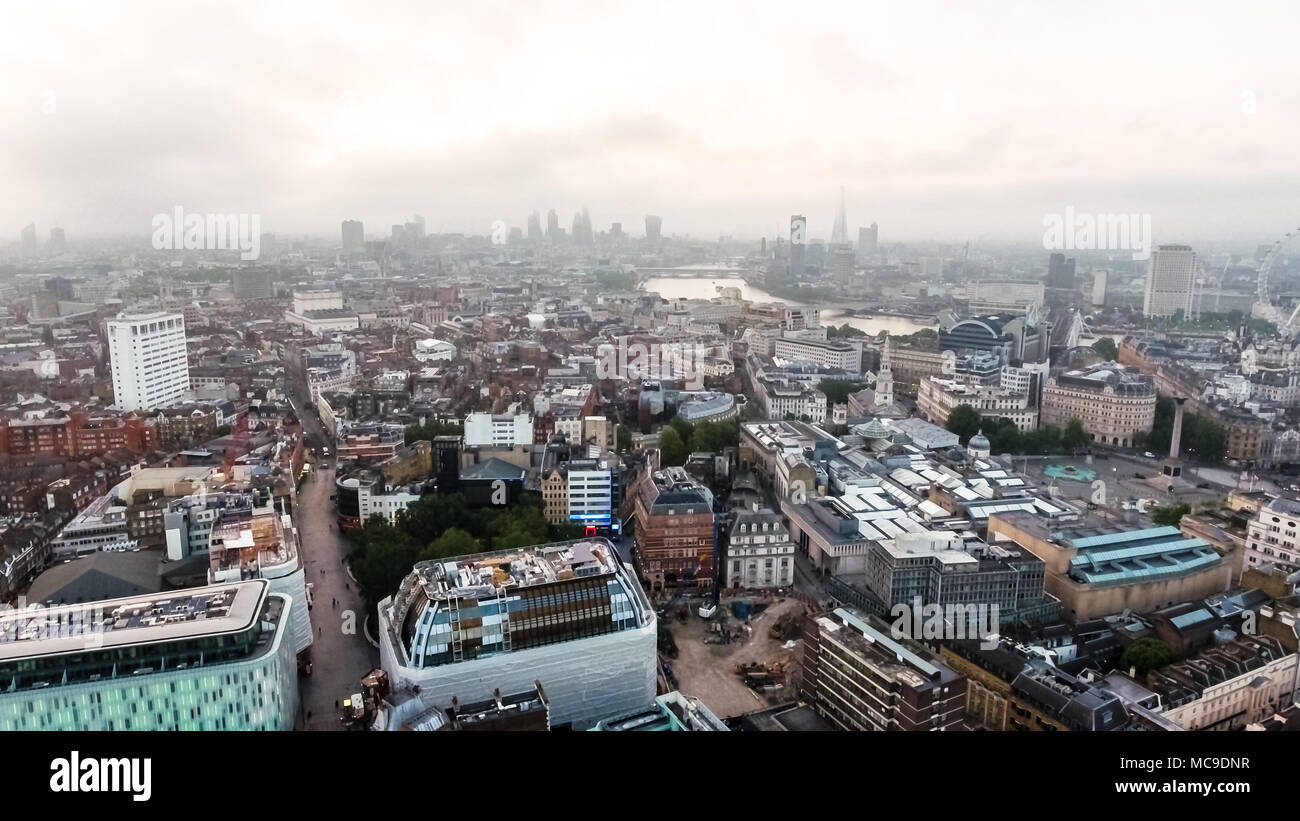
x: 944, y: 121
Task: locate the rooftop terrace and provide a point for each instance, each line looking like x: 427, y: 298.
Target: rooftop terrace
x: 170, y: 616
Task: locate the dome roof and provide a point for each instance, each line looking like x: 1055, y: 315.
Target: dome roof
x: 875, y: 429
x: 979, y: 442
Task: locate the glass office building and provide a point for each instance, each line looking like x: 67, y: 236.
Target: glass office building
x: 568, y: 615
x: 208, y: 658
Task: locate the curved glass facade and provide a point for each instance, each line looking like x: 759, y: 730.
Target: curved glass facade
x: 240, y: 680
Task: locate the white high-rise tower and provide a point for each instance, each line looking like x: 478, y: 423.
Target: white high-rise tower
x: 1171, y: 281
x: 150, y: 365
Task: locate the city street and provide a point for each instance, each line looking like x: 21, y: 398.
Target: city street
x: 339, y: 659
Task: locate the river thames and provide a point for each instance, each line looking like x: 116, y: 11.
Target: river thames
x: 701, y: 288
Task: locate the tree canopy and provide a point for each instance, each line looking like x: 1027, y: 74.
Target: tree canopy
x: 1145, y: 655
x: 426, y: 432
x: 679, y: 439
x: 440, y: 526
x: 837, y: 390
x: 1005, y: 437
x: 964, y: 421
x: 1202, y: 438
x: 1074, y: 436
x: 845, y: 331
x: 1107, y: 348
x: 672, y: 450
x: 1170, y: 514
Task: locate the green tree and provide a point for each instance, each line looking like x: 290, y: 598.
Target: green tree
x: 454, y: 542
x: 1107, y: 348
x: 1003, y: 435
x: 672, y: 450
x: 1046, y: 439
x: 1145, y: 655
x: 1170, y: 514
x: 1203, y: 438
x: 837, y: 390
x: 1074, y: 436
x: 714, y: 437
x: 845, y: 331
x: 521, y: 526
x: 964, y: 421
x: 615, y: 280
x: 1262, y: 327
x: 566, y: 531
x: 426, y: 432
x: 432, y: 516
x: 381, y: 557
x: 684, y: 430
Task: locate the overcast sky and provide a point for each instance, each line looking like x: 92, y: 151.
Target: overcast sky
x: 948, y: 121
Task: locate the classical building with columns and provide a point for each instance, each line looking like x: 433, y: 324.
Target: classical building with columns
x: 1113, y: 402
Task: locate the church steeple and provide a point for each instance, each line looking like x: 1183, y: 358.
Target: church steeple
x: 885, y: 378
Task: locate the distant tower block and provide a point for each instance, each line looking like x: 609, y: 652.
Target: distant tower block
x: 1172, y: 467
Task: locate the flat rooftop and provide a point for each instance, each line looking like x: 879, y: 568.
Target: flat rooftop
x: 672, y: 712
x: 169, y: 616
x: 253, y: 542
x: 514, y: 569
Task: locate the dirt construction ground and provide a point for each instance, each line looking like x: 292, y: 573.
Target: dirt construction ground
x: 707, y: 671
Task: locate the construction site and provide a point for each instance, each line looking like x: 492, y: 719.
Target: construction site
x: 741, y: 658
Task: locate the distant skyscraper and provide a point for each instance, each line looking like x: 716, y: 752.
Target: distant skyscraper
x: 58, y: 241
x: 29, y: 240
x: 252, y: 283
x: 415, y: 231
x: 535, y: 227
x: 354, y: 236
x: 45, y: 305
x: 1171, y: 280
x: 798, y: 241
x: 1060, y: 272
x: 842, y: 264
x: 552, y: 224
x: 840, y: 232
x: 61, y: 286
x: 868, y: 240
x: 616, y: 230
x: 1099, y: 287
x: 653, y: 227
